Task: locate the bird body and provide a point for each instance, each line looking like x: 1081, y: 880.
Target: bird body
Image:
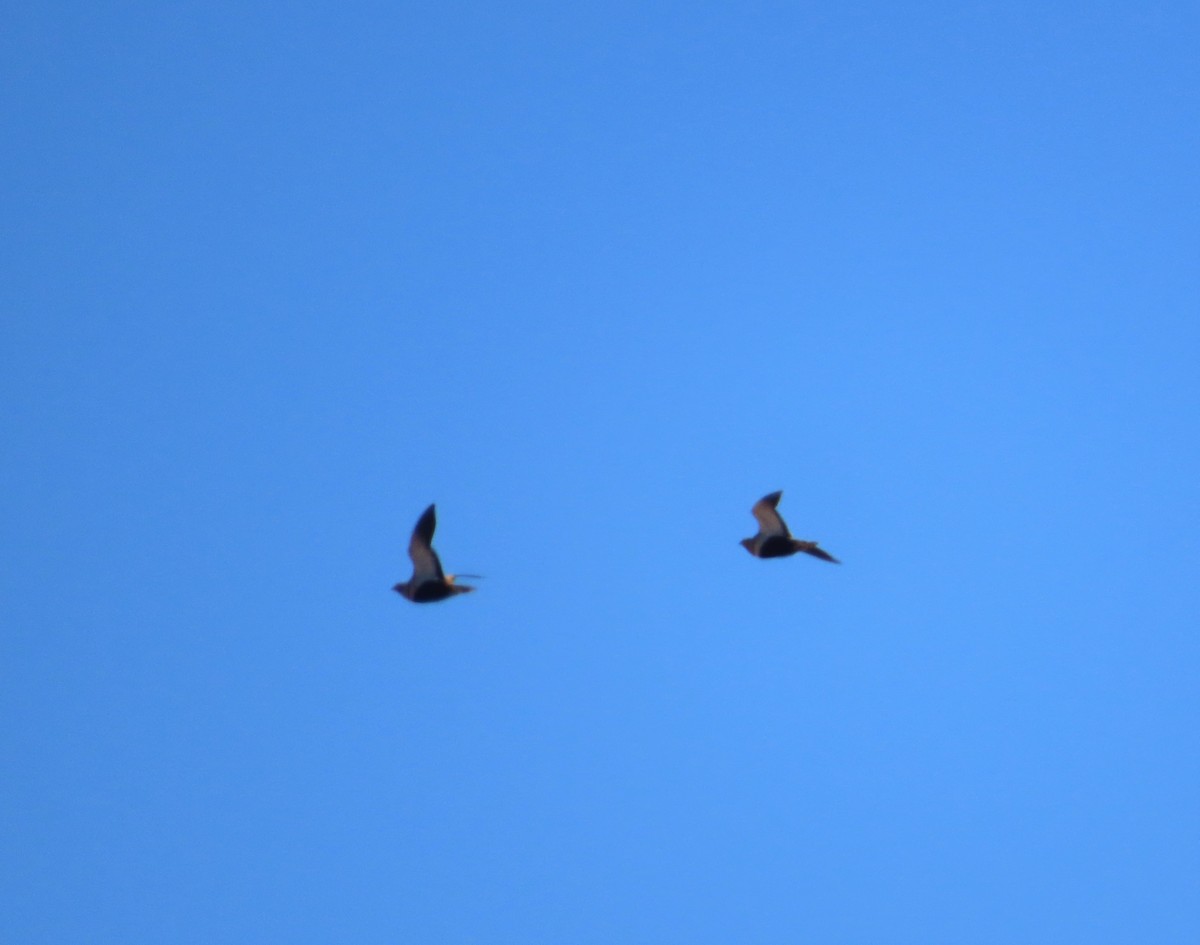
x: 773, y: 539
x: 428, y: 582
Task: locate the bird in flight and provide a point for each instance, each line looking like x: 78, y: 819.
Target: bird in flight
x: 428, y: 582
x: 773, y: 539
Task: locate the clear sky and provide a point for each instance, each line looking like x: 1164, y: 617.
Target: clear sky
x: 594, y: 277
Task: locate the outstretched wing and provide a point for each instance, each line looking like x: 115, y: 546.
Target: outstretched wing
x: 426, y: 566
x: 769, y: 521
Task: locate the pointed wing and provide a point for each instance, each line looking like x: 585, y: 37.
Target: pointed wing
x: 426, y: 566
x: 769, y: 521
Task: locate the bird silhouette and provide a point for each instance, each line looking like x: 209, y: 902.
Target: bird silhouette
x: 428, y: 582
x: 773, y: 539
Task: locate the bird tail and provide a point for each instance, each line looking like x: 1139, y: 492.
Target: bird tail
x: 812, y: 548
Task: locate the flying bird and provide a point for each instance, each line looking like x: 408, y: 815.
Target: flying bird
x: 428, y: 582
x: 773, y: 539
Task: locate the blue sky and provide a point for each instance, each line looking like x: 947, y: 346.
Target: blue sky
x: 594, y: 278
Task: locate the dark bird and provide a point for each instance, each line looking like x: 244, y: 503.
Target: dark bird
x: 773, y: 539
x: 428, y: 582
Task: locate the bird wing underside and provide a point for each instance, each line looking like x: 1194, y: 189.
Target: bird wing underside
x: 769, y: 521
x: 426, y: 566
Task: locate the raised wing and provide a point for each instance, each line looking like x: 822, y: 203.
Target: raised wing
x: 769, y: 521
x: 426, y: 566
